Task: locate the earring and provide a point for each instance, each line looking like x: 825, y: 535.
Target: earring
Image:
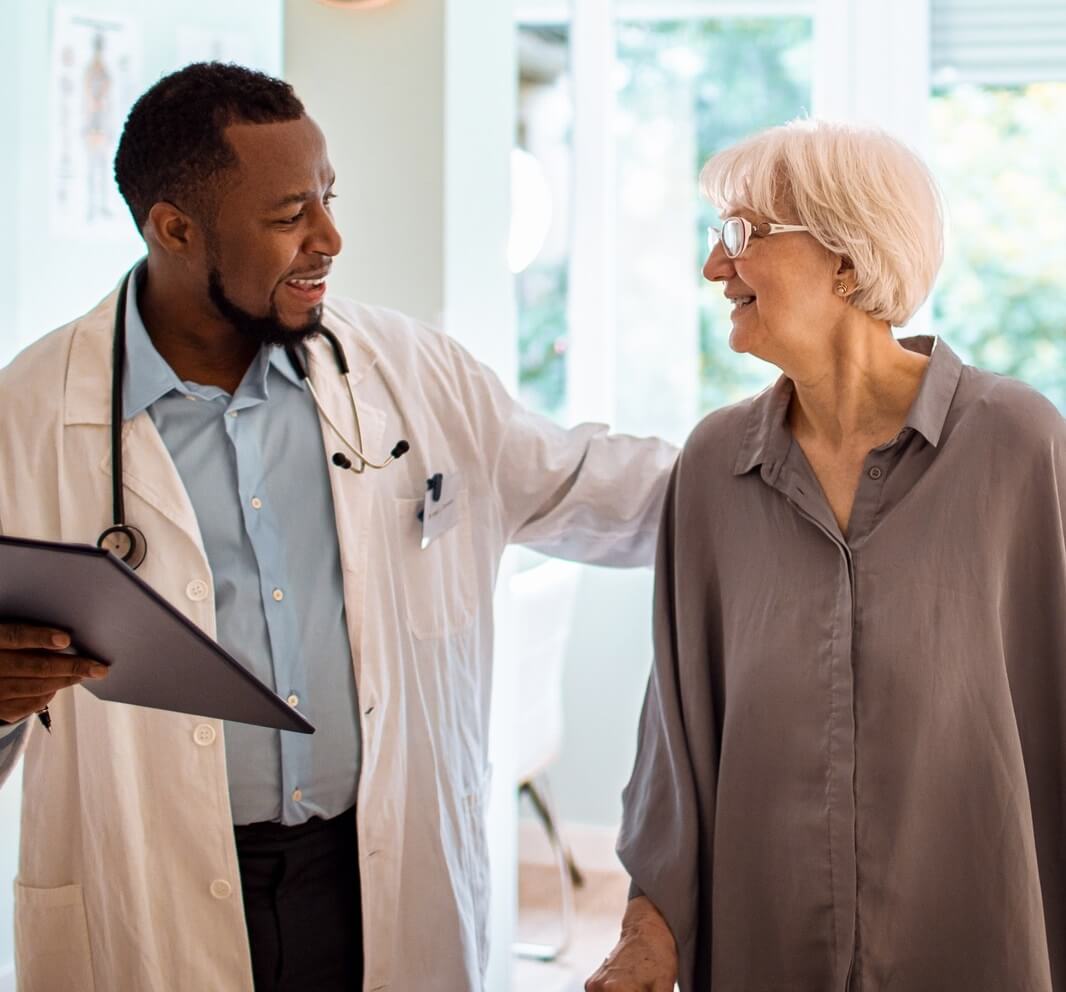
x: 842, y: 289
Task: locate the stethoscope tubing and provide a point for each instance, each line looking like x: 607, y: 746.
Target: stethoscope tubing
x: 127, y: 541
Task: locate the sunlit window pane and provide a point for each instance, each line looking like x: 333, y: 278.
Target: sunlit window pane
x: 540, y: 241
x: 1000, y: 302
x: 686, y: 89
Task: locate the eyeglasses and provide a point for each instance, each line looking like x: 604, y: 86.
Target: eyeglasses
x: 736, y: 232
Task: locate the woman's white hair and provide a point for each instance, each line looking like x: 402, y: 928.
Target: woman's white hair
x: 864, y: 195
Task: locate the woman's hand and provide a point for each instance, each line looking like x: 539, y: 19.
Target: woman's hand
x: 645, y: 957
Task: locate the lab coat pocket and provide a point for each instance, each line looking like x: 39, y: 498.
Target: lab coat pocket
x: 52, y: 940
x: 439, y: 582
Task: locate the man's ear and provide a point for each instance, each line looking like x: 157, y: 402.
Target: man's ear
x: 173, y: 230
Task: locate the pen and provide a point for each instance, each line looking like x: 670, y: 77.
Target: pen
x: 46, y: 719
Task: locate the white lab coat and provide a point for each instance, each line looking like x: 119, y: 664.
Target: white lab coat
x: 128, y: 875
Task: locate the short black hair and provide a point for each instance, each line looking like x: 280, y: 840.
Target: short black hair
x: 173, y: 146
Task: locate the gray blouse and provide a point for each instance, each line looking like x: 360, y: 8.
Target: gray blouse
x: 852, y: 760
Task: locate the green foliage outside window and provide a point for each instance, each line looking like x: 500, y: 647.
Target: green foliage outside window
x: 1001, y: 297
x: 542, y: 336
x: 751, y: 73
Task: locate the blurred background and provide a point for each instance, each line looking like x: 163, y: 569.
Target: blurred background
x: 524, y: 173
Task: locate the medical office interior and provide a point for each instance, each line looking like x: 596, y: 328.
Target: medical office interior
x: 524, y: 173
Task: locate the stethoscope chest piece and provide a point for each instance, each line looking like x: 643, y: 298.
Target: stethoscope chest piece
x: 124, y: 542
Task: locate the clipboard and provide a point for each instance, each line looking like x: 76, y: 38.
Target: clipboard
x: 157, y: 657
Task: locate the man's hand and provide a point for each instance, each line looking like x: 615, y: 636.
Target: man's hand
x: 645, y: 957
x: 31, y: 673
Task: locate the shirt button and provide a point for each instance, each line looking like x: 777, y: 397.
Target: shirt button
x: 204, y: 735
x: 257, y: 503
x: 293, y: 700
x: 278, y: 595
x: 221, y: 889
x: 233, y: 413
x: 875, y: 473
x: 297, y: 795
x: 197, y: 590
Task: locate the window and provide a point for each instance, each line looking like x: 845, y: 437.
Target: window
x: 998, y: 103
x: 687, y: 89
x: 617, y: 117
x: 999, y: 301
x: 540, y: 234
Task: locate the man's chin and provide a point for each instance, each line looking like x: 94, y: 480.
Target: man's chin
x: 271, y: 328
x: 302, y: 322
x: 283, y: 333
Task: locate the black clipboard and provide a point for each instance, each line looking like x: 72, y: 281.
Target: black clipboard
x: 157, y: 657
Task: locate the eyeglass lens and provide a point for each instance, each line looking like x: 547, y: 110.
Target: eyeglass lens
x: 733, y: 236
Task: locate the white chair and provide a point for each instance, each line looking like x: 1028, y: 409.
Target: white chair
x: 543, y: 599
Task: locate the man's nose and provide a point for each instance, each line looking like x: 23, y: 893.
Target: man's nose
x: 325, y: 238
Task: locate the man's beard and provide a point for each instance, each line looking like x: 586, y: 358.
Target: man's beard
x: 262, y: 330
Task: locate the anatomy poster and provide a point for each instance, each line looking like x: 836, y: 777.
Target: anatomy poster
x: 95, y: 79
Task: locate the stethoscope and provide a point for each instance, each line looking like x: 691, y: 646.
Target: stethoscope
x: 128, y: 542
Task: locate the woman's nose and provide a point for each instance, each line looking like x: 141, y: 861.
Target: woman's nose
x: 719, y: 266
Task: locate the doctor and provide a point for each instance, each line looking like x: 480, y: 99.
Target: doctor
x: 165, y: 852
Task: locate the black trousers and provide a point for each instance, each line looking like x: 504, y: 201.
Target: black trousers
x: 302, y: 904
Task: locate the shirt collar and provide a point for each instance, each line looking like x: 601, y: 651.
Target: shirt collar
x: 279, y: 360
x: 147, y: 377
x: 929, y: 412
x: 767, y: 438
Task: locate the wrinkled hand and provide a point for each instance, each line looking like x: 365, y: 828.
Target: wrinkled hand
x: 31, y: 672
x: 645, y: 957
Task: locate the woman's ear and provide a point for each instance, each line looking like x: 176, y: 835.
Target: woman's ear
x: 845, y: 269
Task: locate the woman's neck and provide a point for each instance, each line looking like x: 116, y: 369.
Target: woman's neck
x: 854, y: 387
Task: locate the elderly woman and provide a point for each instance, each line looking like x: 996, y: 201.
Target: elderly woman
x: 852, y: 758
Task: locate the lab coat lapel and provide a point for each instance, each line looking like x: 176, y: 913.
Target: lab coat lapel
x: 353, y: 495
x: 151, y: 478
x: 151, y: 481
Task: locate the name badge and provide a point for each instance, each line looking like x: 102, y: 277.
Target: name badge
x: 440, y: 511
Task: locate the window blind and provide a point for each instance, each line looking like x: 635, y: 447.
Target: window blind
x: 997, y: 42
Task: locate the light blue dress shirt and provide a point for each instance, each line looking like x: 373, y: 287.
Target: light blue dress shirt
x: 257, y: 476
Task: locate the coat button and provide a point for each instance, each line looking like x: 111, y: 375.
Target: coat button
x: 204, y: 735
x: 197, y: 590
x: 221, y: 889
x: 875, y: 473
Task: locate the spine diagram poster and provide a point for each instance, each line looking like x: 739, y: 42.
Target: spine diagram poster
x: 95, y: 79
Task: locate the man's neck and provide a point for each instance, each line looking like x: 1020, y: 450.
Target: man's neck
x: 198, y: 345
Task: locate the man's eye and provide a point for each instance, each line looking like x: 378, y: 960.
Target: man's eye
x: 292, y: 220
x: 329, y: 198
